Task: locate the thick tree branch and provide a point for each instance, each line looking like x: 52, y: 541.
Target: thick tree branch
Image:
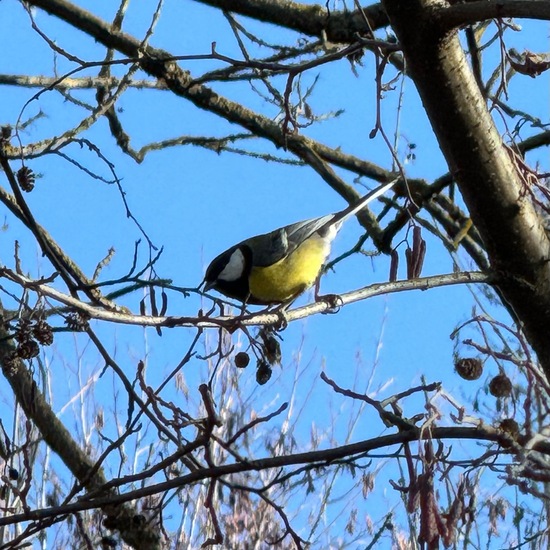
x: 313, y: 20
x: 344, y: 26
x: 497, y: 196
x: 467, y: 13
x: 58, y: 438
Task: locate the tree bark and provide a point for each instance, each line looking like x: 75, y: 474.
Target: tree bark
x: 496, y: 193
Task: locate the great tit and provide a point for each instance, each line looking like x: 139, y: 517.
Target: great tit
x: 276, y: 267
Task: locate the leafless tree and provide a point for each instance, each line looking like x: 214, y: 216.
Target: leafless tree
x: 178, y: 462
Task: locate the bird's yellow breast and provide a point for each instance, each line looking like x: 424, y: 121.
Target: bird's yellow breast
x: 290, y: 276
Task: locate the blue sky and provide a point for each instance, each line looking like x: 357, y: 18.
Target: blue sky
x: 195, y: 204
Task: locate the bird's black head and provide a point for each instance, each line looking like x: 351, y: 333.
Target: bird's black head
x: 228, y: 273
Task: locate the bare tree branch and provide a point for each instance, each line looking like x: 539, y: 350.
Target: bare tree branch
x: 315, y: 459
x: 261, y: 318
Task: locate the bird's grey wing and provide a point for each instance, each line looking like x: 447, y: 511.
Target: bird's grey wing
x: 270, y: 248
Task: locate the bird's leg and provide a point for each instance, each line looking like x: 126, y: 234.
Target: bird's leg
x: 317, y: 288
x: 280, y: 311
x: 333, y: 301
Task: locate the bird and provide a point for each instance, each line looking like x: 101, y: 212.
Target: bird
x: 276, y: 267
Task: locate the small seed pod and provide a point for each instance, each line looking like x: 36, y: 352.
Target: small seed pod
x: 26, y: 178
x: 28, y: 349
x: 5, y: 132
x: 23, y: 330
x: 469, y: 368
x: 500, y: 386
x: 43, y: 332
x: 77, y: 321
x: 263, y: 374
x: 242, y: 359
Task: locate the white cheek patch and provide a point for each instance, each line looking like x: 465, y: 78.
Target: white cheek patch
x: 234, y: 267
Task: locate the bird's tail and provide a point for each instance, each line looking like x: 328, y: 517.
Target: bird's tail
x: 343, y: 215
